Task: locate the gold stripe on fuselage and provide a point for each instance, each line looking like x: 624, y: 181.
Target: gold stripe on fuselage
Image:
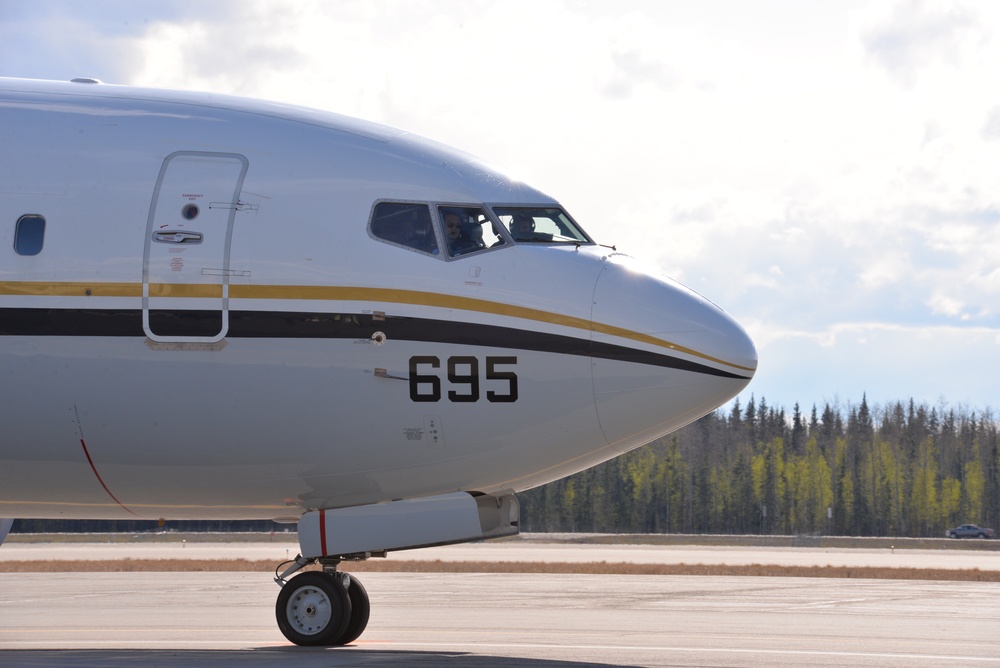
x: 40, y: 289
x: 344, y: 293
x: 186, y: 290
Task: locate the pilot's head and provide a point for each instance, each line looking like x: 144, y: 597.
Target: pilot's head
x: 522, y: 225
x: 452, y: 225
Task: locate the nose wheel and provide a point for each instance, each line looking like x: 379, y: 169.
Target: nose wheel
x: 322, y: 609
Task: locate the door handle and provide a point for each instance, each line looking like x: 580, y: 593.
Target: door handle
x: 175, y: 237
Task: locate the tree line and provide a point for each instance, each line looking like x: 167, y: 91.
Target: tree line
x: 902, y: 469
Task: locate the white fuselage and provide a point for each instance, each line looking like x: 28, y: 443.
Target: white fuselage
x: 277, y: 356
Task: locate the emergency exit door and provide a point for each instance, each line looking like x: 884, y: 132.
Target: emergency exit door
x: 185, y: 282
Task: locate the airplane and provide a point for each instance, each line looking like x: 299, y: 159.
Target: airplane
x: 220, y: 308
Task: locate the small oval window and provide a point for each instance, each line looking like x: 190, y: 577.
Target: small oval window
x: 29, y: 235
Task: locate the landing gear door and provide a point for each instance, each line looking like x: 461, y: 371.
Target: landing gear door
x: 185, y: 281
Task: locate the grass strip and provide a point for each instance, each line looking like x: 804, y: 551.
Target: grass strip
x: 438, y: 566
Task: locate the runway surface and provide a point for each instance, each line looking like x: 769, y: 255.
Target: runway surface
x: 504, y: 621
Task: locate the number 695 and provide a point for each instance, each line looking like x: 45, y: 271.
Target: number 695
x: 463, y: 379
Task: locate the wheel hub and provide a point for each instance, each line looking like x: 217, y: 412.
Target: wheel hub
x: 309, y: 610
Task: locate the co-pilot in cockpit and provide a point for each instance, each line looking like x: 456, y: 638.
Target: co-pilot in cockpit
x: 540, y: 224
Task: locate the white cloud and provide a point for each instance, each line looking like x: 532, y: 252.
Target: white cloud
x: 914, y: 34
x: 991, y: 127
x: 946, y: 305
x: 886, y: 269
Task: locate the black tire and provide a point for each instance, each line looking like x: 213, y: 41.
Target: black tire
x: 982, y: 535
x: 360, y: 611
x: 313, y: 609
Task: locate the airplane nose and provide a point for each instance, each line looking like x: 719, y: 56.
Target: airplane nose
x: 663, y: 355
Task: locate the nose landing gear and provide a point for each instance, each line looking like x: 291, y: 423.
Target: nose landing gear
x: 331, y: 608
x: 322, y: 608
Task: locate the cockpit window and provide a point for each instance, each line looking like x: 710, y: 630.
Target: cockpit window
x: 405, y: 224
x: 540, y: 224
x: 468, y: 229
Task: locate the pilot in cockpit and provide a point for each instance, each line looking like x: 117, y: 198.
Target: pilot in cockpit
x: 522, y: 227
x: 459, y: 241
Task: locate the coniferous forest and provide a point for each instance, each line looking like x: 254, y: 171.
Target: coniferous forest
x: 902, y: 469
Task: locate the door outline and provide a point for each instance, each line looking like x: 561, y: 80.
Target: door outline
x: 200, y: 283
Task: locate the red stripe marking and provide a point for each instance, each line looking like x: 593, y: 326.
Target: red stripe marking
x: 100, y: 480
x: 322, y: 531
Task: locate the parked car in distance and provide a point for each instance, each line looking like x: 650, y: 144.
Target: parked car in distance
x: 969, y: 531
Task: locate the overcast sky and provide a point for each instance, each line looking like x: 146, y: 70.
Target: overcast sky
x: 827, y: 172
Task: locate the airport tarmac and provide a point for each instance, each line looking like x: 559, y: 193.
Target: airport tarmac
x: 490, y: 620
x: 536, y: 620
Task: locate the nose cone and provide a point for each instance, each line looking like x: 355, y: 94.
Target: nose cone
x: 663, y: 355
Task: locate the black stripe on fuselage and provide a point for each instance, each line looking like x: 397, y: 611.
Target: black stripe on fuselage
x: 307, y: 325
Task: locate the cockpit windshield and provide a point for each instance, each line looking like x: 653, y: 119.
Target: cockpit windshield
x: 540, y: 225
x: 463, y: 229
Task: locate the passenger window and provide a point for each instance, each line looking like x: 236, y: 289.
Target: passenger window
x: 468, y: 229
x: 29, y: 235
x: 405, y: 224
